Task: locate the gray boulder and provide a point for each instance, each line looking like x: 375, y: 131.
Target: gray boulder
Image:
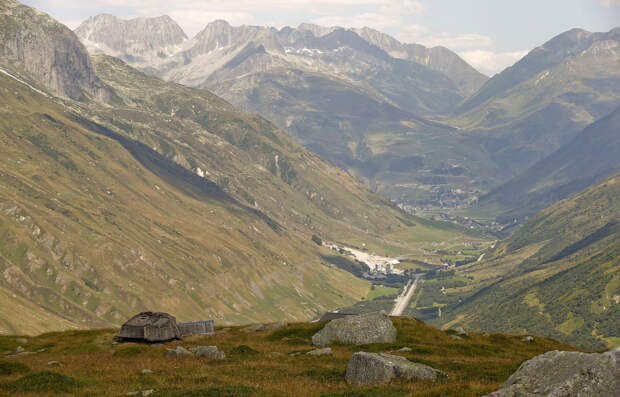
x: 357, y: 330
x: 150, y: 327
x: 372, y: 369
x: 210, y: 352
x: 178, y: 352
x: 561, y: 373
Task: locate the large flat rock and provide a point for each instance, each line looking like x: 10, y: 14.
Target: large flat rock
x: 562, y: 373
x: 357, y: 330
x: 372, y: 369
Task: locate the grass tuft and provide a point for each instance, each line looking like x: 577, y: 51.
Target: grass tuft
x: 218, y: 391
x: 371, y: 392
x: 130, y: 351
x: 243, y: 351
x: 44, y: 381
x: 11, y: 368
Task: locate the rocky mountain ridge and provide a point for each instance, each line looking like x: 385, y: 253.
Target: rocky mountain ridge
x: 32, y: 42
x: 139, y: 40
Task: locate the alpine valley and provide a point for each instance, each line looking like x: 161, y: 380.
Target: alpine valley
x: 251, y: 174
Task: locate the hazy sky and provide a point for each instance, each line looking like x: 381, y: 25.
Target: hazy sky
x: 489, y: 34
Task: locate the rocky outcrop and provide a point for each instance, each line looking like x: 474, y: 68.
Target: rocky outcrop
x: 136, y: 40
x: 372, y: 368
x: 440, y: 59
x: 48, y: 52
x: 562, y: 373
x: 150, y: 327
x: 357, y: 330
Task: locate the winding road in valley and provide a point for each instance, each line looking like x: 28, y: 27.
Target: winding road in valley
x: 403, y: 300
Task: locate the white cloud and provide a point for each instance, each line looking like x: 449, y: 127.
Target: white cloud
x: 489, y: 62
x: 610, y: 3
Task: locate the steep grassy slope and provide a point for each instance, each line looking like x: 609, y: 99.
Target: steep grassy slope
x: 591, y: 156
x: 559, y: 275
x: 96, y: 227
x: 534, y: 107
x: 258, y: 364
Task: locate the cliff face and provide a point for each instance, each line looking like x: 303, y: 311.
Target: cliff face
x: 49, y: 52
x: 139, y: 40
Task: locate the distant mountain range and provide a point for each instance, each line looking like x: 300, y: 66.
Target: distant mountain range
x: 417, y: 124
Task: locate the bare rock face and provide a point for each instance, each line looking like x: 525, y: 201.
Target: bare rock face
x: 372, y: 368
x: 47, y: 51
x: 561, y: 373
x: 150, y: 327
x: 138, y: 40
x: 357, y: 330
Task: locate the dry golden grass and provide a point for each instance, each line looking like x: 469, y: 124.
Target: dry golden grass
x: 475, y: 365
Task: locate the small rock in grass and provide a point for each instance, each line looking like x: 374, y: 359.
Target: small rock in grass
x: 143, y: 393
x: 23, y: 341
x: 146, y: 371
x: 294, y: 354
x: 54, y: 363
x: 486, y: 334
x: 320, y: 352
x: 178, y: 352
x: 461, y: 331
x: 254, y: 328
x: 456, y: 337
x: 210, y: 352
x: 19, y: 349
x: 405, y: 349
x: 114, y: 343
x: 272, y: 327
x: 528, y: 339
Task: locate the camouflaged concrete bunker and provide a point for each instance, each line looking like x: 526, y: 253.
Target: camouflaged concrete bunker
x: 150, y: 327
